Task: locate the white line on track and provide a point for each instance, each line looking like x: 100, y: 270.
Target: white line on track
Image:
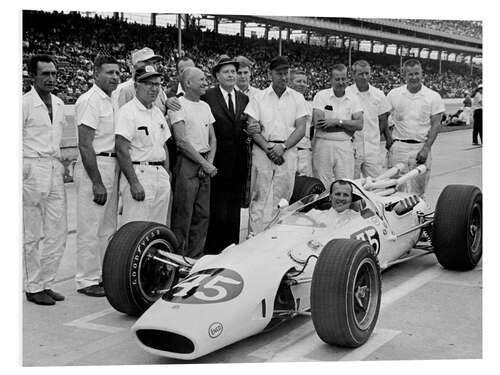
x: 298, y: 343
x: 85, y: 322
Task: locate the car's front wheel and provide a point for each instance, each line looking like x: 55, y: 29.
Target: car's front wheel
x: 346, y: 292
x: 135, y: 271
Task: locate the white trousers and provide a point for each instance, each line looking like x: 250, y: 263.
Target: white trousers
x: 269, y: 184
x: 95, y: 224
x: 304, y: 162
x: 332, y: 160
x: 44, y: 222
x: 366, y: 163
x: 156, y: 184
x: 406, y: 153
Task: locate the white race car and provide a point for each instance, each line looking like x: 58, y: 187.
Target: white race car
x: 298, y: 265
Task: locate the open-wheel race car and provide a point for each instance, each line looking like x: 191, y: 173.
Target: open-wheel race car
x: 298, y: 265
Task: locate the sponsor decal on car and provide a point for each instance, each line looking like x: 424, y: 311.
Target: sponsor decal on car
x: 370, y: 235
x: 215, y: 329
x: 212, y: 285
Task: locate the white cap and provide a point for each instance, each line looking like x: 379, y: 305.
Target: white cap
x: 144, y: 54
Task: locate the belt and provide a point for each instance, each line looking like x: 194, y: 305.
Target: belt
x: 276, y: 141
x: 302, y: 148
x: 148, y: 162
x: 407, y: 141
x: 109, y: 154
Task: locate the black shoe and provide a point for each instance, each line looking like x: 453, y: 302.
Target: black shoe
x: 93, y: 291
x: 40, y: 298
x: 475, y: 144
x: 54, y: 295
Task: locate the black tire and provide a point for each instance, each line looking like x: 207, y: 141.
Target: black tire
x: 305, y: 186
x: 346, y: 292
x: 458, y: 229
x: 132, y: 278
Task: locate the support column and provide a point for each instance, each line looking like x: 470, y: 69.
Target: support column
x: 216, y: 24
x: 471, y: 65
x: 288, y: 34
x: 153, y: 19
x: 372, y: 43
x: 350, y: 48
x: 186, y: 21
x: 179, y: 34
x: 242, y: 29
x: 280, y: 47
x: 385, y: 49
x: 266, y: 33
x: 440, y: 59
x: 308, y: 37
x: 116, y: 15
x: 326, y: 41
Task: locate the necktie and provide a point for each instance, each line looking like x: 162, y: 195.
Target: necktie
x: 230, y: 104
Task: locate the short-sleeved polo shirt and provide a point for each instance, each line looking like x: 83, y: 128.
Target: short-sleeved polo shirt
x: 341, y: 108
x: 41, y: 136
x: 145, y: 128
x: 95, y: 110
x: 197, y: 118
x: 412, y: 113
x: 277, y: 115
x: 374, y: 103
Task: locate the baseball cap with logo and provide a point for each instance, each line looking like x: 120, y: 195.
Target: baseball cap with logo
x: 146, y: 72
x: 144, y: 54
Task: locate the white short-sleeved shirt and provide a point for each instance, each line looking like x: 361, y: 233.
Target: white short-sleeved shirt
x: 146, y: 129
x: 42, y: 137
x: 95, y: 110
x: 250, y: 91
x: 412, y: 113
x: 306, y: 141
x: 374, y: 104
x: 277, y: 115
x: 342, y: 108
x: 197, y: 117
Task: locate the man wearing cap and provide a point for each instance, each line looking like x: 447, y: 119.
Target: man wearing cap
x: 96, y: 176
x: 375, y: 112
x: 416, y: 111
x: 243, y: 77
x: 336, y: 116
x: 44, y: 197
x: 141, y: 133
x: 227, y: 106
x: 125, y: 91
x: 195, y: 139
x: 282, y: 113
x: 298, y: 82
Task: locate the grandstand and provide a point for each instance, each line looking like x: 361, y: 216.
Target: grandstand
x: 74, y: 39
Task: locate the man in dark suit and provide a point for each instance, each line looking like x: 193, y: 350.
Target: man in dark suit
x: 227, y: 105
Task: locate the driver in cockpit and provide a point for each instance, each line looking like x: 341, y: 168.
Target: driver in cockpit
x: 341, y: 200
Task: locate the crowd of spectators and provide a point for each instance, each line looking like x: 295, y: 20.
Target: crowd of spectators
x: 74, y: 40
x: 472, y: 29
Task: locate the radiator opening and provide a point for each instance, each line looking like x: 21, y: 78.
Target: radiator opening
x: 166, y: 341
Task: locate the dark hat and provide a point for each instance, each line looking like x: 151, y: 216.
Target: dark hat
x: 279, y: 62
x: 145, y: 72
x: 221, y: 61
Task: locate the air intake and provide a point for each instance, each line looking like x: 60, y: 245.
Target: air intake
x: 165, y: 341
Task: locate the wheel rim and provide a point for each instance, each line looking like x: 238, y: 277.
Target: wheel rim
x: 154, y: 276
x: 365, y: 294
x: 475, y: 229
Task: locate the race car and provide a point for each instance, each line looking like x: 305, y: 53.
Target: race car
x: 298, y: 265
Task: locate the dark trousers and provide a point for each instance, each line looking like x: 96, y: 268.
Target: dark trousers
x: 478, y: 125
x: 225, y: 201
x: 190, y: 207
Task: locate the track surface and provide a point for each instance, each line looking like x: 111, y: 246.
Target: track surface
x: 427, y: 312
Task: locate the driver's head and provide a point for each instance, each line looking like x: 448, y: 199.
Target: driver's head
x: 341, y: 195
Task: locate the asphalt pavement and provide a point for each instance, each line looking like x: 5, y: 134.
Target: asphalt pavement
x: 427, y: 312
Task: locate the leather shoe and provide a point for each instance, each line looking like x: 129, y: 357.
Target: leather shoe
x: 54, y: 295
x: 93, y: 291
x: 40, y: 298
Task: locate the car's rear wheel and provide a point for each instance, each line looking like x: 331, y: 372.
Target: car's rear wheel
x: 135, y: 273
x: 346, y: 292
x: 458, y: 227
x: 305, y: 186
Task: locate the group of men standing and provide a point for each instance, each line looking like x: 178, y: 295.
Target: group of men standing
x: 194, y: 156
